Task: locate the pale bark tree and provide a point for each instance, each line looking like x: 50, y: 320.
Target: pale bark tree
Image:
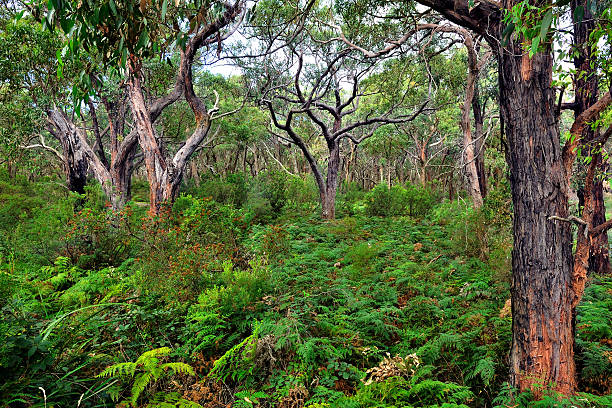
x: 165, y: 173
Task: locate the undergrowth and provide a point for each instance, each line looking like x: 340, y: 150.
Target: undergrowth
x: 272, y: 309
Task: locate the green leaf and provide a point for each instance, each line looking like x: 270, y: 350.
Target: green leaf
x: 546, y: 21
x: 67, y: 25
x: 164, y: 9
x: 113, y: 7
x: 143, y: 41
x: 579, y: 14
x: 507, y: 33
x: 534, y: 46
x: 124, y: 57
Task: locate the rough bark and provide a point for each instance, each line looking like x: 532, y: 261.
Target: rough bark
x: 76, y: 148
x: 542, y: 324
x: 75, y: 164
x: 542, y: 336
x: 328, y: 202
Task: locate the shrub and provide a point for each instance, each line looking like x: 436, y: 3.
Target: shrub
x: 274, y: 188
x: 268, y: 196
x: 183, y: 249
x: 383, y: 201
x: 399, y: 200
x: 302, y: 191
x: 232, y: 190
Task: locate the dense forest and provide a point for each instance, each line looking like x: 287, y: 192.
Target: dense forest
x: 301, y: 203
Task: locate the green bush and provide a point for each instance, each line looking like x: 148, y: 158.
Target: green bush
x: 399, y: 200
x: 268, y: 195
x: 302, y: 192
x: 183, y: 249
x: 232, y: 190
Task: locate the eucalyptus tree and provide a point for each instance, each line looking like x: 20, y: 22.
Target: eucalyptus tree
x: 129, y: 34
x: 548, y: 280
x: 30, y: 88
x: 419, y: 146
x: 586, y: 81
x: 77, y: 142
x: 317, y: 80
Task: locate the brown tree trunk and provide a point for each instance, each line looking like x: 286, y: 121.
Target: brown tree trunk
x: 74, y: 164
x: 542, y: 325
x: 586, y: 94
x: 599, y: 260
x: 115, y: 182
x: 479, y: 142
x: 154, y: 160
x: 328, y: 196
x: 469, y: 146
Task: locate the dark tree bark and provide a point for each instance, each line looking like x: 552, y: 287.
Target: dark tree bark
x: 480, y: 144
x: 542, y: 325
x: 586, y: 94
x: 328, y: 200
x: 74, y: 164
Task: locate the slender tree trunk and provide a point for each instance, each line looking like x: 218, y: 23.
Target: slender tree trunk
x: 154, y: 160
x: 328, y: 196
x: 599, y: 260
x: 479, y: 142
x: 469, y: 154
x: 586, y: 94
x: 542, y: 325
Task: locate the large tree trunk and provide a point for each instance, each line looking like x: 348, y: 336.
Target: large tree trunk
x: 542, y: 325
x: 74, y: 164
x: 115, y: 183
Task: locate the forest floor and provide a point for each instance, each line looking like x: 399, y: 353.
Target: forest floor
x: 358, y: 312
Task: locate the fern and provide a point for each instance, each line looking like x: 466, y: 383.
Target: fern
x: 178, y: 368
x: 119, y: 369
x: 485, y: 368
x: 432, y: 390
x: 233, y: 362
x: 140, y: 384
x: 147, y: 369
x: 159, y: 352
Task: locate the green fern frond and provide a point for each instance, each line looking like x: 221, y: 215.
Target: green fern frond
x: 158, y: 352
x: 178, y: 368
x: 119, y: 369
x: 140, y: 384
x: 485, y: 368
